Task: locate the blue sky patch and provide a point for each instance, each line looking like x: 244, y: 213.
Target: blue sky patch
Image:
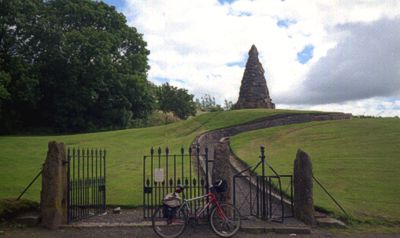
x: 391, y: 99
x: 244, y: 14
x: 118, y: 4
x: 180, y: 81
x: 225, y: 1
x: 161, y: 80
x: 285, y: 23
x: 238, y: 13
x: 306, y: 54
x: 236, y: 63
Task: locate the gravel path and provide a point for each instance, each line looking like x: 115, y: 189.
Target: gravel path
x: 191, y: 231
x: 126, y: 216
x: 245, y: 202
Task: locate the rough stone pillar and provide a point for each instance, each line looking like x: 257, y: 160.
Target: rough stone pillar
x: 53, y: 197
x: 303, y: 188
x: 222, y: 167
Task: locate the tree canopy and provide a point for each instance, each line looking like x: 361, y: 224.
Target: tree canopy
x: 176, y: 100
x: 208, y: 104
x: 71, y: 65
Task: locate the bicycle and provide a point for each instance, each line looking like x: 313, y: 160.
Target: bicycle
x: 224, y: 218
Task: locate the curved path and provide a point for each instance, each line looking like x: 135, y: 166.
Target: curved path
x: 209, y: 139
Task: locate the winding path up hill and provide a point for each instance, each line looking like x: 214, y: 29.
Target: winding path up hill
x: 209, y: 139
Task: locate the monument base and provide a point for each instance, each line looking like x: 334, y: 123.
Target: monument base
x: 249, y: 105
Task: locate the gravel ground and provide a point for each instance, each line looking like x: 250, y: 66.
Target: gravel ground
x: 126, y: 216
x: 147, y: 232
x: 136, y: 215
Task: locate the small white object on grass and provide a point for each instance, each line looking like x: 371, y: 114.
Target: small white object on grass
x: 117, y: 210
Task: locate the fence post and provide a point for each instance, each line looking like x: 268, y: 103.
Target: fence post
x: 262, y: 157
x: 303, y: 188
x: 221, y: 167
x: 53, y: 197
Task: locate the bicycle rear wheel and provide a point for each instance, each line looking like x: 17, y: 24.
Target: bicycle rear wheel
x: 225, y: 222
x: 169, y: 227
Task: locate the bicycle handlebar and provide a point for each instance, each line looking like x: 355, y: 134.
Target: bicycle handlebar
x: 181, y: 187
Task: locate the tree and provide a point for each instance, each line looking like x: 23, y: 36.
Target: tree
x: 228, y: 105
x: 4, y: 81
x: 176, y: 100
x: 208, y: 104
x: 18, y: 78
x: 72, y: 65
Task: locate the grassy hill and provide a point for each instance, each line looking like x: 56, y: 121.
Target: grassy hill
x: 21, y: 157
x: 357, y: 160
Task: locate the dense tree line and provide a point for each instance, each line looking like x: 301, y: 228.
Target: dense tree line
x: 75, y: 65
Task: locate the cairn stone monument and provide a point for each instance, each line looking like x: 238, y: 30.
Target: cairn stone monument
x: 254, y: 91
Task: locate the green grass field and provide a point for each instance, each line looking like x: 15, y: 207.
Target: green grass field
x: 357, y: 160
x: 21, y: 157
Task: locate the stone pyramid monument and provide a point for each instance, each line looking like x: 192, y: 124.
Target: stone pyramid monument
x: 254, y: 91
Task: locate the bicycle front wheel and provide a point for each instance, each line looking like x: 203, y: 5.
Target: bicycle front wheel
x: 167, y: 225
x: 225, y: 221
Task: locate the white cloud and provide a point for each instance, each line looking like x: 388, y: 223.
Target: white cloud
x: 191, y: 42
x: 364, y: 64
x: 376, y: 106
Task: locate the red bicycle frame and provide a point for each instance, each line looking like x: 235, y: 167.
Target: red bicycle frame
x: 212, y: 200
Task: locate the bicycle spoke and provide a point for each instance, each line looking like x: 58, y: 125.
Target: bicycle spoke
x: 167, y: 224
x: 225, y: 222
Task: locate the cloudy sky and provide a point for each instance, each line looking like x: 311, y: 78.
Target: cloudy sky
x: 320, y: 55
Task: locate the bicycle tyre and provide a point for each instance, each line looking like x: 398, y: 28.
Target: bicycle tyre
x: 228, y: 226
x: 171, y: 229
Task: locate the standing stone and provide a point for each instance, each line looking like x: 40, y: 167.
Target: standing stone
x: 222, y: 167
x: 53, y: 197
x: 303, y: 189
x: 254, y: 91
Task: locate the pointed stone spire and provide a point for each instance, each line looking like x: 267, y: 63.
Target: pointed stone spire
x: 254, y: 91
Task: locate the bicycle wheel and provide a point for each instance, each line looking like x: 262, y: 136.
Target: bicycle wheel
x: 225, y: 222
x: 169, y: 227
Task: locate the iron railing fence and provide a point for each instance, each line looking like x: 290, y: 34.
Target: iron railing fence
x: 163, y: 171
x: 86, y: 183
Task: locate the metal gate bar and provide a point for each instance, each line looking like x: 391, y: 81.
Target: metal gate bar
x: 173, y: 170
x: 268, y: 199
x: 86, y: 183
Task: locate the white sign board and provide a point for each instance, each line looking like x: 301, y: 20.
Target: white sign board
x: 159, y: 175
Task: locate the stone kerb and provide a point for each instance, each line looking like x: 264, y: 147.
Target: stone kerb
x: 212, y: 137
x: 53, y: 197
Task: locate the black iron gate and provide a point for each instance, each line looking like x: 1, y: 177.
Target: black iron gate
x: 162, y: 172
x: 86, y: 183
x: 268, y: 197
